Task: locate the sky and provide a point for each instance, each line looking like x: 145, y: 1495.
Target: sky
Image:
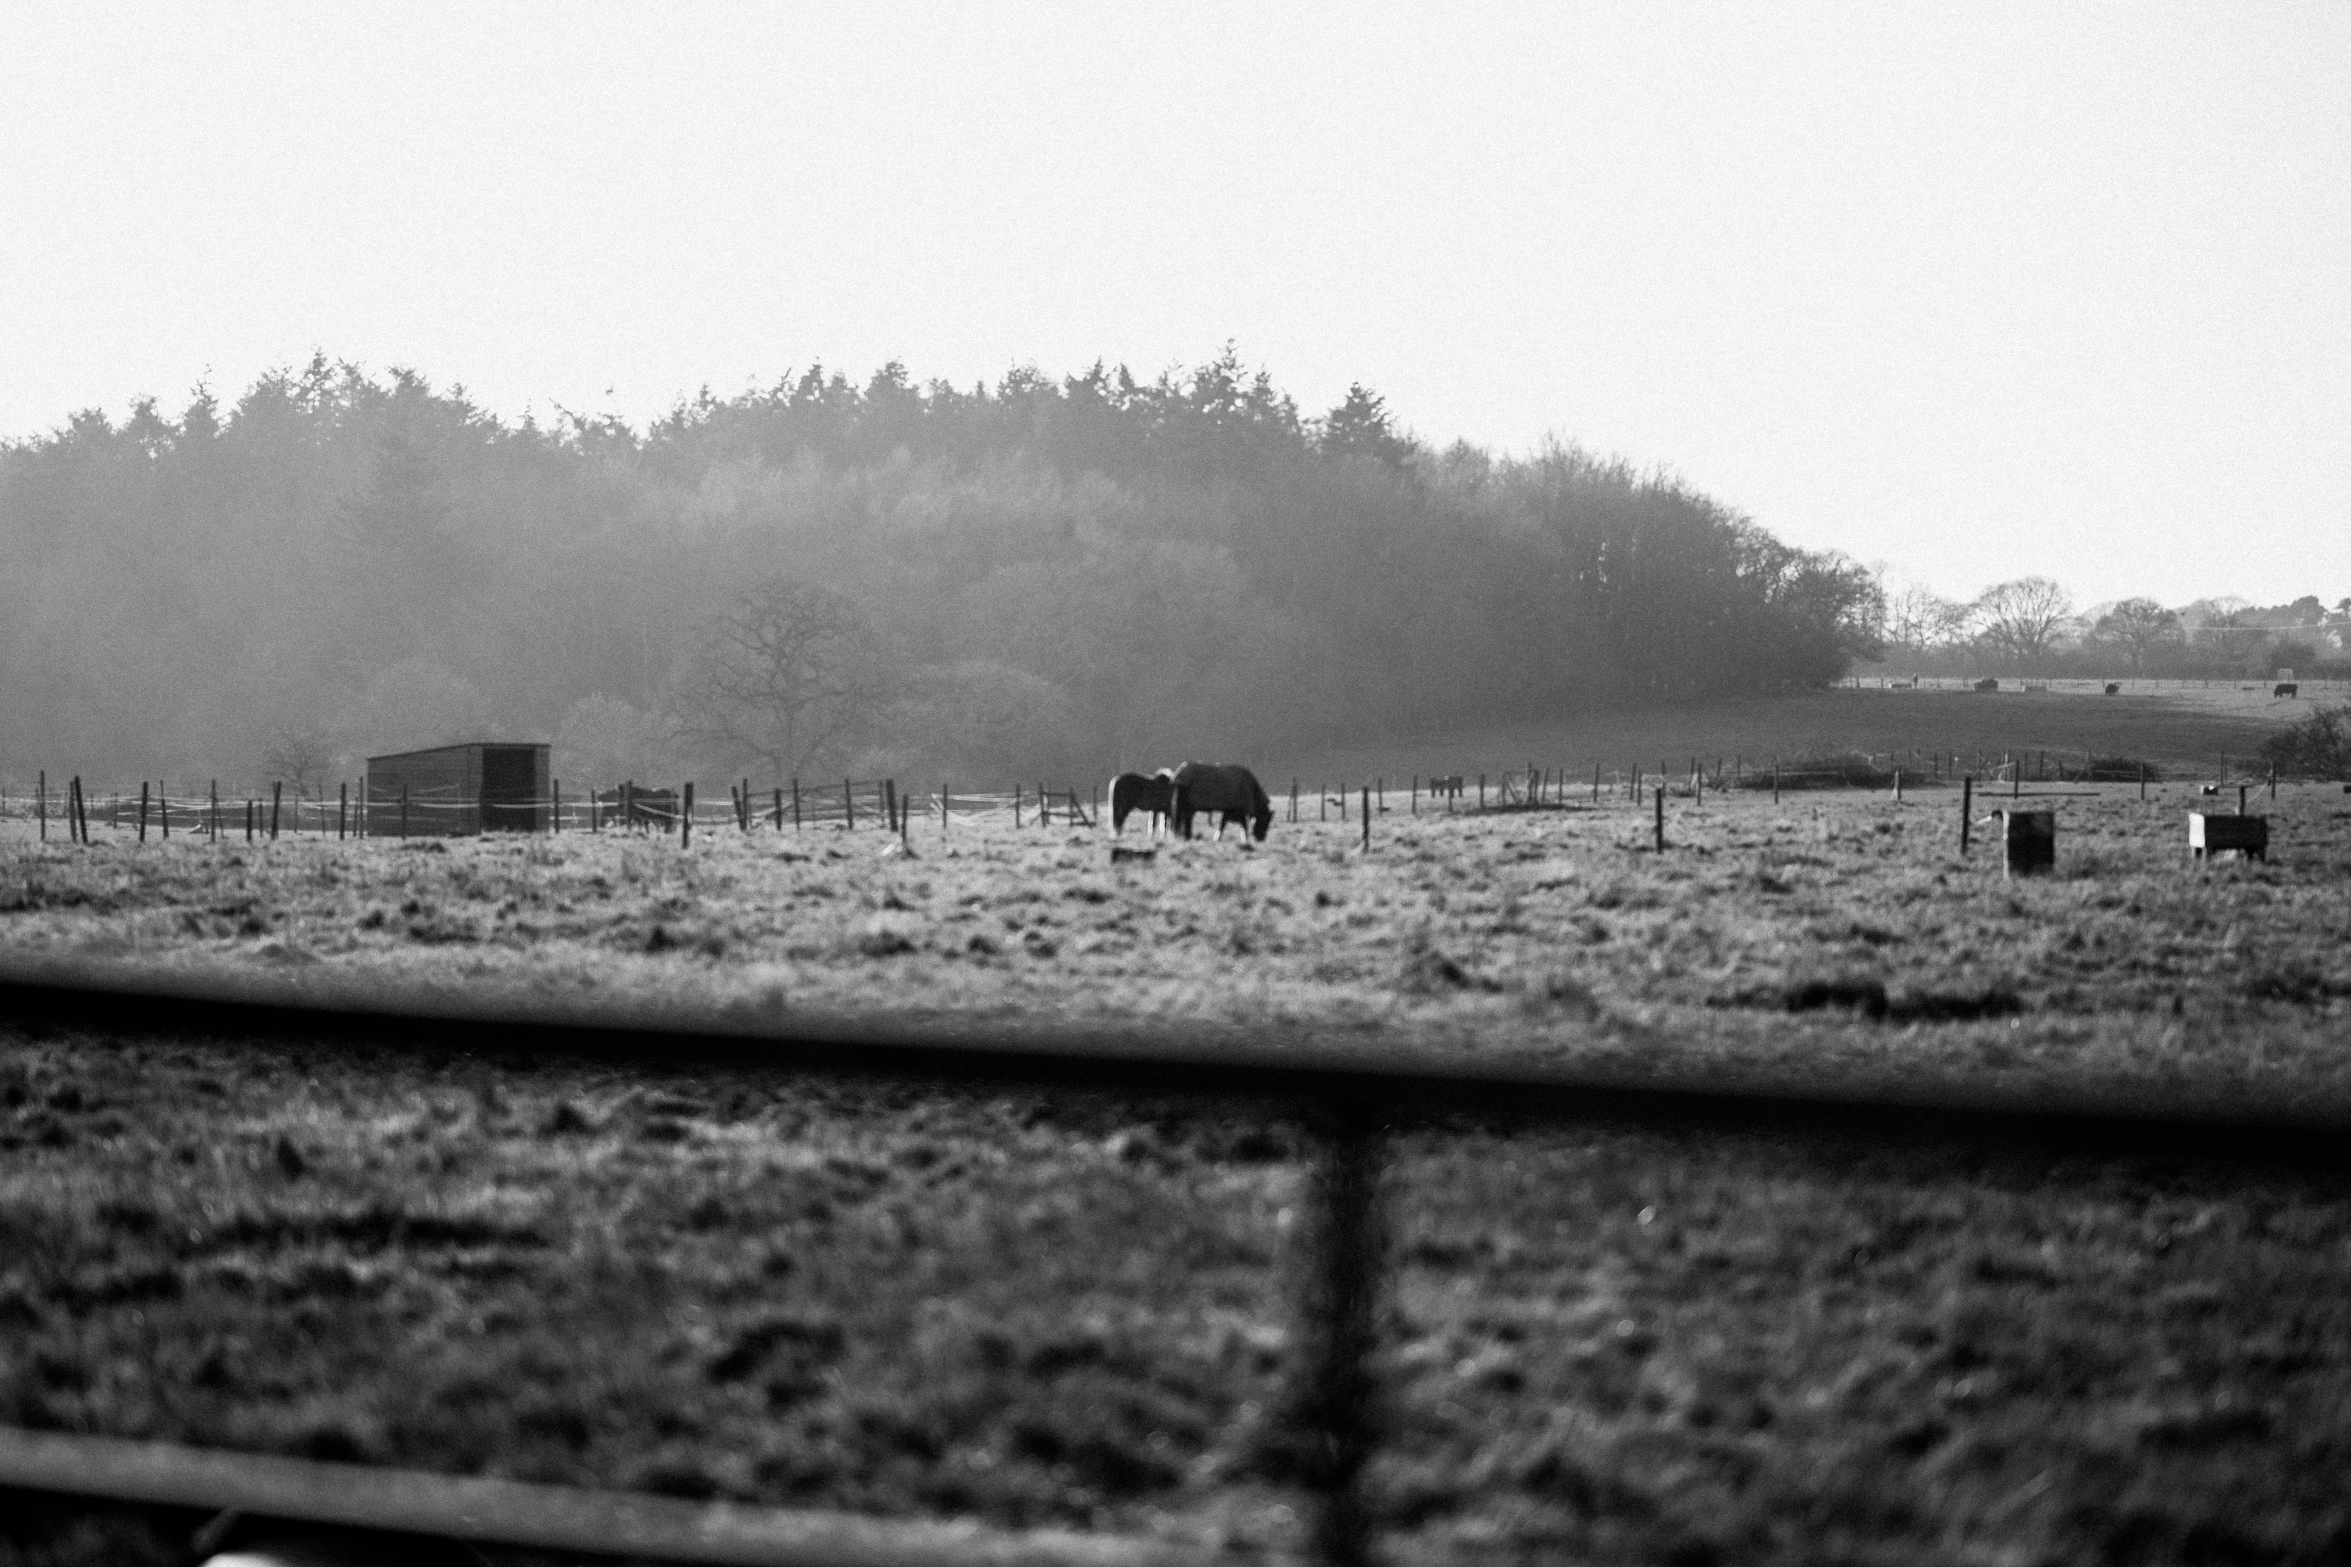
x: 1969, y: 291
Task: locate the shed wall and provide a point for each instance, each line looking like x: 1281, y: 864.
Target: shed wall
x: 443, y: 788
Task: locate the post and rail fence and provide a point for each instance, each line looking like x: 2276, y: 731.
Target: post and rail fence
x: 1351, y: 1102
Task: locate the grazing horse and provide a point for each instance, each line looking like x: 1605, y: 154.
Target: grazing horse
x: 1232, y: 792
x: 1132, y: 792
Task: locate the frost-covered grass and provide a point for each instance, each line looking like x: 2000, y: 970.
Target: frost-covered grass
x: 1835, y: 941
x: 1700, y: 1345
x: 1650, y: 1346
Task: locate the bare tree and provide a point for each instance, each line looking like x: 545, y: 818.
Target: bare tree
x: 790, y: 675
x: 2231, y: 637
x: 298, y: 752
x: 2023, y: 619
x: 2137, y: 628
x: 1919, y: 620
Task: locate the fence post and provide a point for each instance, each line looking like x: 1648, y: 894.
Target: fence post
x: 686, y: 813
x: 1367, y: 819
x: 404, y: 812
x: 41, y: 803
x: 1481, y: 791
x: 554, y: 806
x: 779, y: 808
x: 277, y: 801
x: 163, y: 808
x: 1660, y: 797
x: 1016, y: 821
x: 795, y: 802
x: 142, y: 810
x: 2142, y: 780
x: 342, y: 809
x: 1416, y: 794
x: 1966, y: 809
x: 1775, y: 780
x: 1331, y: 1408
x: 248, y: 818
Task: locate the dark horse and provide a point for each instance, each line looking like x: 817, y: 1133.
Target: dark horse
x: 1132, y: 792
x: 1230, y: 791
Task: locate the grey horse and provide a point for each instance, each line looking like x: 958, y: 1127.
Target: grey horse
x: 1132, y: 792
x: 1231, y: 791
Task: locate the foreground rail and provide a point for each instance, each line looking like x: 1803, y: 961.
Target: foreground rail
x: 533, y: 1517
x: 1349, y: 1096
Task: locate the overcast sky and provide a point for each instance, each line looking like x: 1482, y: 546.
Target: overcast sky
x: 1973, y: 291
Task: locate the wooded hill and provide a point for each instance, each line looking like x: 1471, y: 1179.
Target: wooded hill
x: 1039, y: 579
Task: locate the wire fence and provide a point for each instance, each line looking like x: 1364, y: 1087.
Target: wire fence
x: 353, y: 812
x: 375, y: 809
x: 2100, y: 685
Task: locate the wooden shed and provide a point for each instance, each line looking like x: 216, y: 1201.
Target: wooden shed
x: 458, y: 790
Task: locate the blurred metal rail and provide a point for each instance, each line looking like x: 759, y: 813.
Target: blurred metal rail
x: 535, y: 1517
x: 1351, y: 1099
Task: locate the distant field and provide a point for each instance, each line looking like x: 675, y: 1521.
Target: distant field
x: 2188, y: 728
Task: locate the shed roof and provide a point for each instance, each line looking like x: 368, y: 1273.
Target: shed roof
x: 463, y: 745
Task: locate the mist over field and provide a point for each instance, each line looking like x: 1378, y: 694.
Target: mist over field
x: 1041, y: 579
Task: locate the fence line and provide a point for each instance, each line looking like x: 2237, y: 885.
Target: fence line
x: 67, y: 805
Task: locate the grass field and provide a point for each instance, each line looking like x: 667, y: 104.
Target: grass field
x: 1829, y: 940
x: 1600, y: 1341
x: 2181, y: 728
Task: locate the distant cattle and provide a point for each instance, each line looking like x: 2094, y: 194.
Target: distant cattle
x: 1132, y: 792
x: 1987, y: 685
x: 1230, y: 791
x: 2113, y: 689
x: 2285, y: 688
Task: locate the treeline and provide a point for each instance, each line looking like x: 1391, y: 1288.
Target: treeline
x: 1036, y: 579
x: 2029, y: 626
